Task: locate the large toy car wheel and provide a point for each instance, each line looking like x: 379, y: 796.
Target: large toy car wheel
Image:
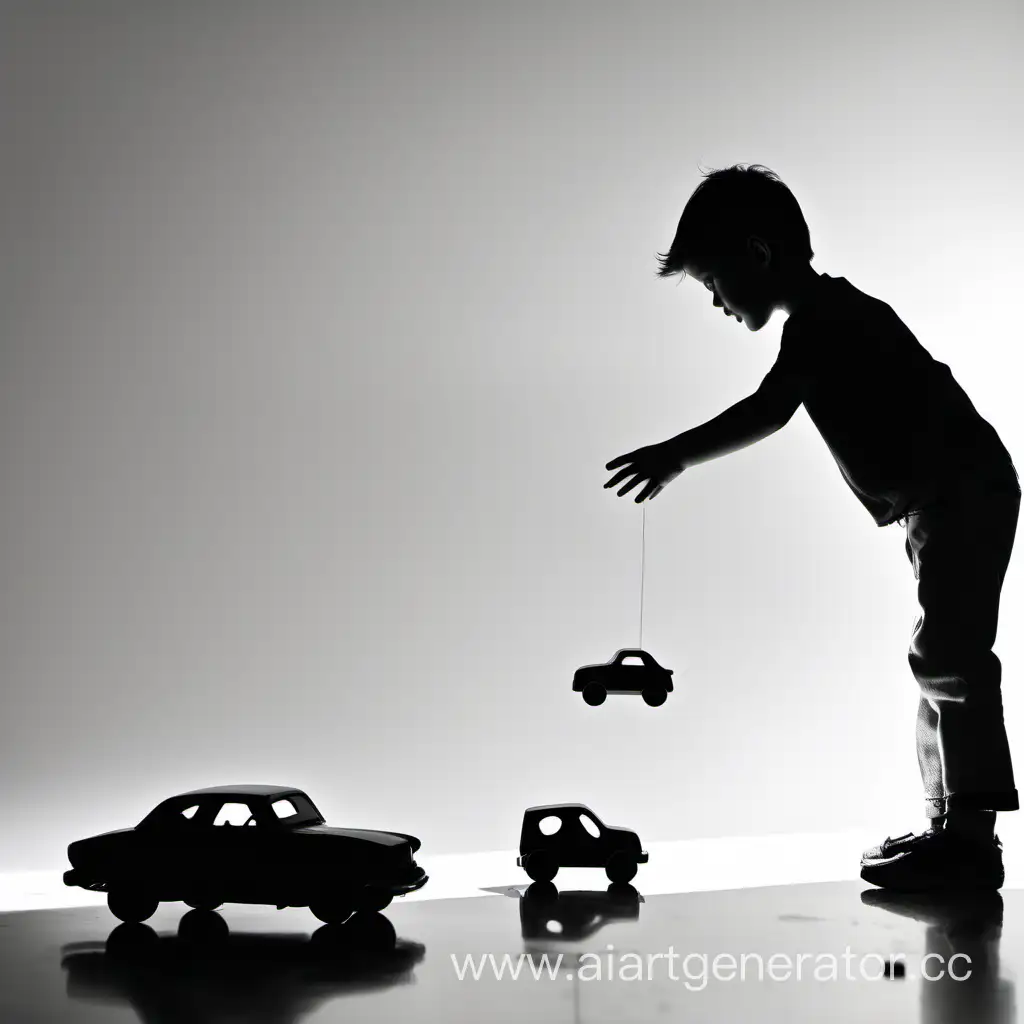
x: 594, y: 694
x: 540, y: 866
x: 654, y: 695
x: 333, y: 908
x: 373, y: 897
x: 200, y: 900
x: 620, y: 867
x: 131, y: 905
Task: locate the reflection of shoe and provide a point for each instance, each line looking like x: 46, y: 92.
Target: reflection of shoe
x: 958, y: 913
x: 944, y: 859
x: 890, y: 847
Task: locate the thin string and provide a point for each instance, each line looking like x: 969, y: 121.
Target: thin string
x: 643, y: 541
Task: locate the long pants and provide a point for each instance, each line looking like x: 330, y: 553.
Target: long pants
x: 960, y: 548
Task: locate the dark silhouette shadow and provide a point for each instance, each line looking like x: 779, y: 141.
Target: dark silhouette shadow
x: 575, y: 914
x: 962, y: 934
x: 245, y: 844
x: 206, y: 973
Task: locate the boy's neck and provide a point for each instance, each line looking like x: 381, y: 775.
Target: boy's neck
x: 799, y: 290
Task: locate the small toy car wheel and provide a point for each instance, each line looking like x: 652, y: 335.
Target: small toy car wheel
x: 131, y: 905
x: 620, y: 867
x: 594, y: 694
x: 373, y: 897
x: 540, y: 866
x: 654, y: 695
x: 332, y: 909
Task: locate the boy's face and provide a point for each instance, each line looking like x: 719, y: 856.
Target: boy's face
x: 738, y: 287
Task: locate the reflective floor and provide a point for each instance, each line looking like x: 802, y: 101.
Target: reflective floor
x: 830, y: 950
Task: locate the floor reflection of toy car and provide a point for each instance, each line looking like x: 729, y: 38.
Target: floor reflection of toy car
x: 244, y: 976
x: 647, y: 678
x: 245, y: 844
x: 572, y: 836
x: 574, y: 915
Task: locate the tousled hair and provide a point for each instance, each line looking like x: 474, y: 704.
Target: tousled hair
x: 729, y: 205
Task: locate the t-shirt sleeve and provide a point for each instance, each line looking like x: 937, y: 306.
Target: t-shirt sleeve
x: 789, y: 378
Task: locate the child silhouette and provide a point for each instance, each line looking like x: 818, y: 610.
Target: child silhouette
x: 914, y: 450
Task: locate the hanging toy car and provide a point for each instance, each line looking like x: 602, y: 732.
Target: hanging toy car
x: 648, y: 678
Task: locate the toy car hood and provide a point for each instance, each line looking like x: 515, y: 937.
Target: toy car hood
x: 362, y: 835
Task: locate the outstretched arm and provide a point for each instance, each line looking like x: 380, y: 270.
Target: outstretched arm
x: 750, y: 420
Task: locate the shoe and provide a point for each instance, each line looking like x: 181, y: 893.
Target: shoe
x: 939, y: 859
x: 890, y: 847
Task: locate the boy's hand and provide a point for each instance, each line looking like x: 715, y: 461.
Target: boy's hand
x: 659, y: 464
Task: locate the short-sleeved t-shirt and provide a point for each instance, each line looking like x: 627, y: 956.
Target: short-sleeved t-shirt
x: 901, y: 429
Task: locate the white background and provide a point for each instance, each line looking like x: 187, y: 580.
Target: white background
x: 319, y: 323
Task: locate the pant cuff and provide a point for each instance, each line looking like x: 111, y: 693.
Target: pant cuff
x: 997, y: 800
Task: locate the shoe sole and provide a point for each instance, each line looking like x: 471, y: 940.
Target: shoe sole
x: 876, y: 875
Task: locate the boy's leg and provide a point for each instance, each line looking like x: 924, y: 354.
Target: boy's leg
x: 929, y: 759
x: 961, y: 551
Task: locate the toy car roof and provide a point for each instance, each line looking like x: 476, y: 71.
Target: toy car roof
x: 635, y: 652
x: 551, y: 808
x: 241, y: 791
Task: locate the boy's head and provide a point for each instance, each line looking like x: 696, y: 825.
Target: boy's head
x: 742, y: 234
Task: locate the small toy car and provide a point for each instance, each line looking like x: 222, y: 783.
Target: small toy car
x: 647, y: 678
x: 245, y: 844
x: 576, y: 838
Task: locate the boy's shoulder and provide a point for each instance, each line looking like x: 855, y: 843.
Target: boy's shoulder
x: 842, y: 307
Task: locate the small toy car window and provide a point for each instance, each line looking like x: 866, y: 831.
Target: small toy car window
x: 189, y: 812
x: 549, y: 825
x: 589, y: 824
x: 233, y: 814
x: 284, y: 808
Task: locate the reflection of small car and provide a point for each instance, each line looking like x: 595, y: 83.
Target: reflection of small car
x: 245, y: 844
x: 647, y: 678
x: 572, y: 836
x: 574, y: 915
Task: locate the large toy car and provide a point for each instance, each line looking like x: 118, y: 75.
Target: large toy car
x: 572, y: 836
x: 245, y: 844
x: 647, y: 678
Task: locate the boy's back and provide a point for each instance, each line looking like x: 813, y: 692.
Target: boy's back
x: 902, y: 430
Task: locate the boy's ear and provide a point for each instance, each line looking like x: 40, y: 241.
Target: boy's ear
x: 760, y: 250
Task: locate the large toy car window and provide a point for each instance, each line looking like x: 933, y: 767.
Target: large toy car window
x: 304, y: 812
x: 590, y: 825
x: 189, y: 812
x: 284, y: 808
x: 233, y: 814
x: 549, y: 825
